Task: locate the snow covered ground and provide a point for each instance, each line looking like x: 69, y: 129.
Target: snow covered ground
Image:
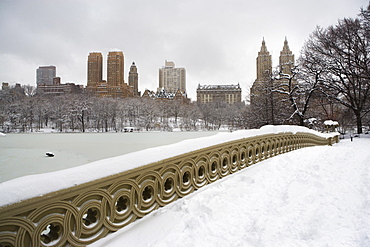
x: 317, y: 196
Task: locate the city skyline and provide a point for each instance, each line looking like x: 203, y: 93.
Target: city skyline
x: 217, y: 42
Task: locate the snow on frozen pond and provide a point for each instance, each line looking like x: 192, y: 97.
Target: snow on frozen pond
x: 25, y: 154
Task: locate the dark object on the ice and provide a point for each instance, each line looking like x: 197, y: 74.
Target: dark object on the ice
x: 49, y: 154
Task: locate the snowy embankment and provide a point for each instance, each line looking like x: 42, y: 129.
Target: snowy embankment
x: 316, y: 196
x: 26, y: 187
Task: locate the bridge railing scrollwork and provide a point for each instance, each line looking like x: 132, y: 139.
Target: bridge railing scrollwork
x: 82, y: 214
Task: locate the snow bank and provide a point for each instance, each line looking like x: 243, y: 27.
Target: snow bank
x: 316, y: 196
x: 26, y: 187
x: 2, y: 134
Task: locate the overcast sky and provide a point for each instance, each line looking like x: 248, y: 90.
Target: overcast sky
x: 216, y: 41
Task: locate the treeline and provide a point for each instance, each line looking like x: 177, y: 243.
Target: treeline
x: 83, y: 112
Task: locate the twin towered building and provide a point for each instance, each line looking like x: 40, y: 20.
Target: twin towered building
x: 264, y: 67
x: 268, y: 94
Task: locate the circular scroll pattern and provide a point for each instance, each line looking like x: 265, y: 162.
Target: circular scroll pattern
x: 213, y: 167
x: 243, y: 157
x: 200, y: 178
x: 234, y: 160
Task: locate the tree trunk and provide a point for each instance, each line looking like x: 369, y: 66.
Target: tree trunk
x: 359, y: 122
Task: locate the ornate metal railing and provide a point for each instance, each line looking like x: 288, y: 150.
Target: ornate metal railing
x: 82, y: 214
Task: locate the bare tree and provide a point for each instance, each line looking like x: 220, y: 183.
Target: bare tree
x: 149, y: 114
x: 263, y: 105
x: 29, y: 90
x: 343, y: 53
x: 298, y: 88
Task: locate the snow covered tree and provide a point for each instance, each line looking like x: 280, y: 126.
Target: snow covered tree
x: 299, y: 87
x: 343, y: 54
x: 149, y: 114
x: 262, y: 107
x: 285, y: 91
x: 82, y: 108
x: 29, y: 90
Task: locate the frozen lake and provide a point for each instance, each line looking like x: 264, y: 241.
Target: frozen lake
x: 24, y: 154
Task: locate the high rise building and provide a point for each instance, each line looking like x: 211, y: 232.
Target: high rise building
x: 45, y: 75
x: 115, y: 74
x: 115, y: 69
x: 264, y: 63
x: 94, y: 70
x: 172, y: 79
x: 264, y: 70
x: 133, y: 79
x: 286, y: 59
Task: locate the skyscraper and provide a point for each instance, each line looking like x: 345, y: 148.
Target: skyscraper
x: 115, y: 76
x: 115, y: 69
x: 172, y: 79
x: 260, y: 86
x: 94, y: 70
x: 133, y: 79
x: 45, y: 75
x: 286, y: 59
x: 264, y: 63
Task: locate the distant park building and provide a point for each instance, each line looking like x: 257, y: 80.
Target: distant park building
x: 115, y: 85
x: 59, y: 88
x: 133, y: 79
x: 17, y: 88
x: 49, y: 84
x: 5, y: 86
x: 164, y: 95
x: 230, y: 94
x: 45, y: 75
x: 171, y: 78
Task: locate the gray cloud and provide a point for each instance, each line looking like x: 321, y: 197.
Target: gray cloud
x: 216, y: 41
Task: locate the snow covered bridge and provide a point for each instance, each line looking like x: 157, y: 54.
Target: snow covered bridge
x: 81, y: 205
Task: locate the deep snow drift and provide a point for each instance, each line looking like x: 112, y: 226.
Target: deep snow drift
x: 317, y: 196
